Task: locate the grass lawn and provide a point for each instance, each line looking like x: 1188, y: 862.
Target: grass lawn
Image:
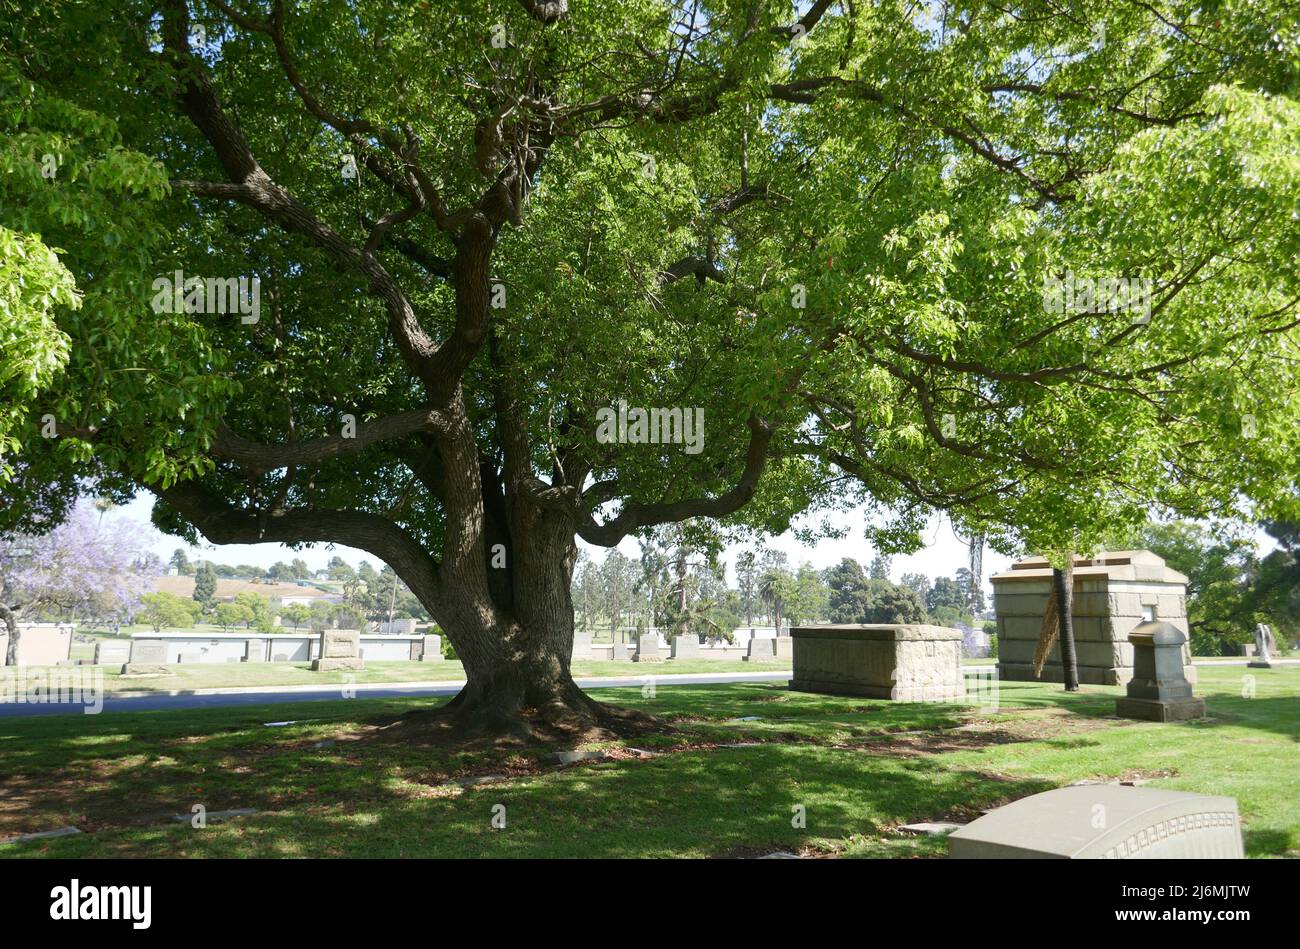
x: 858, y: 768
x: 224, y: 675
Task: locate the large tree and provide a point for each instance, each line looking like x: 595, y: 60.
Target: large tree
x: 823, y: 232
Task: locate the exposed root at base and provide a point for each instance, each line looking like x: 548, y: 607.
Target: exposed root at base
x: 483, y: 724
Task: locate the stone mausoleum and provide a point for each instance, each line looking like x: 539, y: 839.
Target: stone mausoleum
x: 1113, y: 593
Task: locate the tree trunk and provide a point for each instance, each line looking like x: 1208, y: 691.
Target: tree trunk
x: 517, y: 652
x: 1063, y: 580
x: 11, y: 625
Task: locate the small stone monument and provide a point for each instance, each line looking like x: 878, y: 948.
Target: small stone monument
x: 581, y: 647
x: 621, y: 652
x: 1265, y: 646
x: 760, y: 650
x: 648, y: 648
x: 112, y: 653
x: 1159, y: 691
x: 686, y: 646
x: 1105, y: 822
x: 432, y: 649
x: 148, y: 657
x: 339, y: 649
x: 255, y: 650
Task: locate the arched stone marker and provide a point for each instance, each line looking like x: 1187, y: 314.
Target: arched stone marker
x: 1106, y: 822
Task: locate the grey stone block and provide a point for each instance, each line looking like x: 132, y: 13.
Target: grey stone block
x: 1105, y: 822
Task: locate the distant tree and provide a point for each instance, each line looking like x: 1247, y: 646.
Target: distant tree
x: 776, y: 586
x: 847, y: 592
x: 946, y: 592
x: 879, y: 568
x: 295, y: 614
x: 181, y: 561
x: 164, y: 610
x: 232, y: 614
x: 64, y: 573
x: 259, y: 612
x: 205, y: 586
x: 917, y: 582
x: 890, y: 603
x: 747, y: 582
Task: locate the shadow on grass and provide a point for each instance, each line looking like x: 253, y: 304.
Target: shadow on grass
x: 722, y: 802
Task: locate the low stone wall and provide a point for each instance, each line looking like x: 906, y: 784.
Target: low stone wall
x: 906, y: 663
x: 169, y: 648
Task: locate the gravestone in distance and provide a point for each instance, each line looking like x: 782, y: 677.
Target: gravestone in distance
x: 112, y: 653
x: 905, y: 662
x: 648, y: 648
x: 148, y: 657
x: 432, y: 649
x: 622, y: 651
x: 760, y: 650
x: 1265, y: 646
x: 1159, y: 690
x: 784, y: 646
x: 581, y: 647
x: 339, y: 649
x: 255, y: 650
x: 1105, y: 821
x: 686, y: 646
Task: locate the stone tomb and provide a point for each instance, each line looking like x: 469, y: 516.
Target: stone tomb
x: 1113, y: 593
x: 906, y: 663
x: 255, y: 650
x: 1105, y: 821
x: 1158, y: 690
x: 339, y: 649
x: 648, y: 648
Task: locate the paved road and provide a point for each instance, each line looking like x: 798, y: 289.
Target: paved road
x: 224, y: 698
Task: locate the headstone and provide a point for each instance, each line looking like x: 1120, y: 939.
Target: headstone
x: 148, y: 657
x: 397, y: 627
x: 784, y: 648
x: 648, y: 649
x: 761, y: 650
x: 1105, y: 822
x: 622, y: 651
x: 1159, y: 691
x: 255, y: 650
x: 1265, y: 646
x: 581, y: 647
x: 686, y: 646
x: 339, y: 649
x: 903, y: 662
x: 112, y: 653
x: 431, y: 649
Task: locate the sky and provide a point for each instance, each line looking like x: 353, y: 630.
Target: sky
x: 942, y: 556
